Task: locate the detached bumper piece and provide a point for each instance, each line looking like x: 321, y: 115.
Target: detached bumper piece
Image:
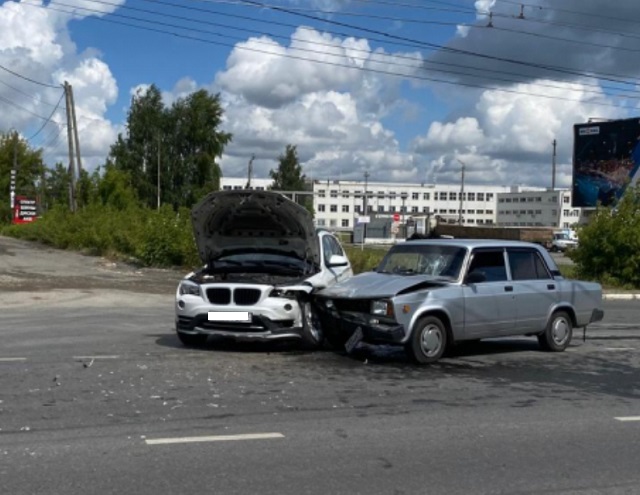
x: 596, y: 315
x: 258, y: 329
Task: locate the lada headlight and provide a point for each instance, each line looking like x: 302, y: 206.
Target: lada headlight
x: 189, y: 288
x: 382, y: 308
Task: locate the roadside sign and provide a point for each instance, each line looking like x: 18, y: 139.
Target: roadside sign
x: 366, y: 219
x: 25, y: 210
x: 396, y: 217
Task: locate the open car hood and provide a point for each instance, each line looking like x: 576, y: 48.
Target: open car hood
x: 246, y: 221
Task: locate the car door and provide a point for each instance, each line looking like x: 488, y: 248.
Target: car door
x: 331, y: 247
x: 489, y: 309
x: 535, y: 290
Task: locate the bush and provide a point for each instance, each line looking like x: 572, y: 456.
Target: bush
x: 609, y: 248
x: 364, y: 259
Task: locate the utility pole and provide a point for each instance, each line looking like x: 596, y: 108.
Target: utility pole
x: 158, y: 186
x: 461, y: 192
x: 14, y: 171
x: 250, y: 172
x: 553, y: 167
x: 72, y: 162
x: 75, y: 130
x: 365, y: 198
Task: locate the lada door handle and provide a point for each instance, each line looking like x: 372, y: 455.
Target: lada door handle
x: 551, y: 286
x: 508, y: 288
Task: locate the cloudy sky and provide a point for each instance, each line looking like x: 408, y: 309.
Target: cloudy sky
x: 406, y: 90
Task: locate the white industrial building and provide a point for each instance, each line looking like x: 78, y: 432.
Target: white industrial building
x: 339, y: 203
x: 545, y: 208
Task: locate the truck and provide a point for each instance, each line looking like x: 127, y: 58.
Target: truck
x: 538, y: 235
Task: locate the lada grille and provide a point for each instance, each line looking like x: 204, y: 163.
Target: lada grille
x: 246, y: 297
x: 219, y: 295
x: 353, y: 305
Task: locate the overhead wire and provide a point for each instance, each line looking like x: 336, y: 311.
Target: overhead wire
x: 390, y: 73
x: 49, y: 119
x: 6, y: 69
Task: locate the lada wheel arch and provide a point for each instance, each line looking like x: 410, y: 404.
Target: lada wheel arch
x: 441, y: 314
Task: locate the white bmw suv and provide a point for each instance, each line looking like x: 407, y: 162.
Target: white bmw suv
x: 263, y: 260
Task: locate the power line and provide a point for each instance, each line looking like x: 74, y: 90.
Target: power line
x: 20, y: 107
x: 48, y: 120
x: 28, y: 78
x: 32, y: 96
x: 389, y: 73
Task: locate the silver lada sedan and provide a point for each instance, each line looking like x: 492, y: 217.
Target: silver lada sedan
x: 429, y: 294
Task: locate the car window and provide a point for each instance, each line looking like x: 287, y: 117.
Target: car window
x: 527, y: 265
x: 330, y: 246
x: 490, y: 264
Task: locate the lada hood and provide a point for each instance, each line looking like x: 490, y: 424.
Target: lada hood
x: 372, y: 285
x: 247, y: 221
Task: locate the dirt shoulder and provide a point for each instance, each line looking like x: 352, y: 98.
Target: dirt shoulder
x: 28, y: 266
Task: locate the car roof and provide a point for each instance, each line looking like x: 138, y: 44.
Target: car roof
x: 475, y: 243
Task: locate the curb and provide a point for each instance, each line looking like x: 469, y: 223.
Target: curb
x: 621, y: 297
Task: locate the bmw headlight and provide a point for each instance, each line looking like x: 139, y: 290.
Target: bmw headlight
x: 189, y: 288
x: 382, y: 308
x: 278, y: 292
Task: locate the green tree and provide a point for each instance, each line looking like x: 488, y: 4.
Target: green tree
x: 56, y: 186
x: 195, y: 146
x: 289, y: 177
x: 16, y: 152
x: 609, y: 248
x: 181, y: 144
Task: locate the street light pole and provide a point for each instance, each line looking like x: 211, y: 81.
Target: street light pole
x: 461, y: 191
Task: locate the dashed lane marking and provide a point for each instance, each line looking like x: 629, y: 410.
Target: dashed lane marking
x: 217, y: 438
x: 96, y: 357
x: 12, y: 359
x: 619, y: 349
x: 628, y: 418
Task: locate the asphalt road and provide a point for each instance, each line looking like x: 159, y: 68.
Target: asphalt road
x: 98, y: 396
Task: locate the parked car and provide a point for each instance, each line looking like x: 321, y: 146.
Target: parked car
x: 429, y: 294
x: 263, y: 260
x: 562, y: 241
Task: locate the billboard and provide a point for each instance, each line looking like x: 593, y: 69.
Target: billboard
x: 25, y: 210
x: 606, y: 158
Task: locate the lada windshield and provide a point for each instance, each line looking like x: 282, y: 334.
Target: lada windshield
x: 424, y: 259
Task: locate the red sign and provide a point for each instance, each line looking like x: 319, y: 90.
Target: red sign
x: 25, y: 210
x: 396, y: 217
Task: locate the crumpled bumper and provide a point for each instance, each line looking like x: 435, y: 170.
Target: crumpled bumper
x: 259, y: 329
x: 374, y: 330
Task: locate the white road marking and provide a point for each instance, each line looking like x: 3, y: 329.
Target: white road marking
x: 96, y: 357
x: 619, y: 349
x: 623, y: 297
x: 12, y: 359
x: 218, y: 438
x: 628, y: 418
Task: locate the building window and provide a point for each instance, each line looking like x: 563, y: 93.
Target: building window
x: 480, y: 212
x: 425, y: 196
x: 554, y: 213
x: 480, y: 220
x: 538, y: 212
x: 334, y: 193
x: 501, y: 200
x: 369, y: 209
x: 507, y: 200
x: 333, y: 223
x: 453, y: 211
x: 453, y: 196
x: 565, y: 213
x: 566, y: 199
x: 380, y: 209
x: 472, y: 196
x: 489, y: 212
x: 358, y: 208
x: 321, y: 208
x: 523, y: 200
x: 403, y: 209
x: 415, y: 195
x: 471, y: 220
x: 414, y: 209
x: 443, y: 196
x: 321, y: 193
x: 345, y: 209
x: 345, y: 222
x: 489, y: 196
x: 480, y: 196
x: 345, y: 194
x: 392, y: 194
x: 473, y: 212
x: 333, y: 208
x: 425, y: 209
x: 321, y: 222
x: 489, y: 221
x: 237, y: 187
x: 226, y: 188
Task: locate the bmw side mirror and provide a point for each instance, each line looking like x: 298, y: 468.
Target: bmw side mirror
x: 337, y: 260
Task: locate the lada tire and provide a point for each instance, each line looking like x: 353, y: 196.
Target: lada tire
x: 312, y: 335
x: 190, y: 340
x: 557, y: 335
x: 428, y: 340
